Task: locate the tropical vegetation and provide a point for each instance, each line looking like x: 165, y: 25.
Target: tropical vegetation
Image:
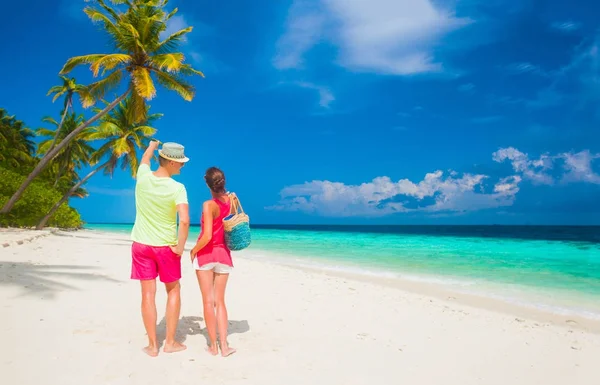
x: 141, y: 57
x: 17, y: 158
x: 122, y: 137
x: 43, y: 166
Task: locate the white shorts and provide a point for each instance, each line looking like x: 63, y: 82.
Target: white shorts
x: 219, y: 268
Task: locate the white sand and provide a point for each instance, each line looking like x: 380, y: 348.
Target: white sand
x: 70, y: 315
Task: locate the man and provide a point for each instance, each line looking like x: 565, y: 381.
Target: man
x: 157, y: 246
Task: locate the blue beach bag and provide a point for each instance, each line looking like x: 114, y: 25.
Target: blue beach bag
x: 236, y: 226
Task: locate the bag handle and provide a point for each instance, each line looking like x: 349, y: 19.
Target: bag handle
x: 235, y: 203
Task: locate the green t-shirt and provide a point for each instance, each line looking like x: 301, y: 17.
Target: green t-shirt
x: 156, y: 200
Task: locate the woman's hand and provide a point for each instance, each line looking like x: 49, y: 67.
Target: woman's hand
x: 193, y: 253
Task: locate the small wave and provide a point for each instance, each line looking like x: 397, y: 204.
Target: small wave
x: 536, y: 298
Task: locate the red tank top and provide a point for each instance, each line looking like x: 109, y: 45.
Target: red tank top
x: 216, y: 250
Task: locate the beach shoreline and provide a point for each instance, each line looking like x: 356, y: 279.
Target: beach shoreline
x: 438, y: 291
x: 73, y: 313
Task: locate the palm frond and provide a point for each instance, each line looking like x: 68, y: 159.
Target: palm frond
x: 86, y: 97
x: 80, y: 192
x: 144, y: 86
x: 109, y: 10
x: 109, y: 62
x: 172, y: 62
x: 98, y: 89
x: 95, y: 15
x: 120, y: 147
x: 56, y: 89
x: 172, y: 41
x: 79, y: 60
x: 108, y: 129
x: 171, y: 14
x: 100, y: 153
x: 154, y: 116
x: 49, y: 119
x: 109, y: 169
x: 146, y: 130
x: 186, y: 91
x: 187, y: 70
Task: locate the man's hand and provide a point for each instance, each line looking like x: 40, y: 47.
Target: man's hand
x: 177, y: 250
x: 153, y: 145
x: 149, y: 153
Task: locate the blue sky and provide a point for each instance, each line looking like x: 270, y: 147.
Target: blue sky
x: 340, y: 111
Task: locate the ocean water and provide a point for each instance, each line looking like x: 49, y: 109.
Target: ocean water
x: 551, y: 267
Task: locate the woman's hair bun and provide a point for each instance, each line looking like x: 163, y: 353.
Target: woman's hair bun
x: 215, y: 179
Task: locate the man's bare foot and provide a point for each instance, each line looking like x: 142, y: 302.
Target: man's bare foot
x: 174, y: 347
x: 152, y: 351
x: 213, y: 350
x: 227, y: 351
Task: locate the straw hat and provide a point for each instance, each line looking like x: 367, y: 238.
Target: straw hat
x: 174, y: 152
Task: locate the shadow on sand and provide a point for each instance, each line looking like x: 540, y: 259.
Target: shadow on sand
x: 191, y: 326
x: 46, y: 280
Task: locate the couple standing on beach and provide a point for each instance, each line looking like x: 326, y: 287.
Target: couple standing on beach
x: 158, y: 246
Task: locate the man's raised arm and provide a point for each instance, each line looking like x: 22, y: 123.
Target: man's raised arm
x: 149, y: 153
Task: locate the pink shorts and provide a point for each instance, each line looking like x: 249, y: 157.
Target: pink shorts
x: 149, y: 262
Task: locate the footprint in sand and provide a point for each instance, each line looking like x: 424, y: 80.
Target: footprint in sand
x: 83, y: 331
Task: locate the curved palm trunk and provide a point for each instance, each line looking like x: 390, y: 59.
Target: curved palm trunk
x: 62, y: 120
x: 66, y: 197
x: 50, y: 154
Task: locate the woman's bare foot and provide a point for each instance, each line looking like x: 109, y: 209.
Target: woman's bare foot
x: 213, y: 350
x: 174, y: 347
x: 227, y: 351
x: 152, y: 351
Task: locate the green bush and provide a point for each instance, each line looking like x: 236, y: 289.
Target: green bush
x: 35, y: 203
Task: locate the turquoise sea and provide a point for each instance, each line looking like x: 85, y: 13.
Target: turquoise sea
x: 552, y: 267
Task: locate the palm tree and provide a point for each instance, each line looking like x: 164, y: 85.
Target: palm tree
x: 65, y: 182
x: 123, y: 135
x: 75, y: 155
x: 68, y: 88
x: 16, y: 142
x: 141, y: 56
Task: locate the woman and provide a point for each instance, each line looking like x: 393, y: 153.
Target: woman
x: 212, y: 260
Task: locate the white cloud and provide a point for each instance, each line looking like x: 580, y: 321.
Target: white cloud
x: 325, y: 95
x: 438, y: 192
x: 578, y: 167
x: 566, y: 26
x: 304, y: 27
x: 534, y: 170
x: 526, y: 68
x: 448, y: 193
x: 394, y: 37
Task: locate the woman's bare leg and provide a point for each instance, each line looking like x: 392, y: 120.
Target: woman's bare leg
x: 222, y: 321
x: 206, y: 280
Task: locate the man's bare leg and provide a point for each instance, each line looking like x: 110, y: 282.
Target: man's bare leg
x: 173, y: 308
x: 149, y: 315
